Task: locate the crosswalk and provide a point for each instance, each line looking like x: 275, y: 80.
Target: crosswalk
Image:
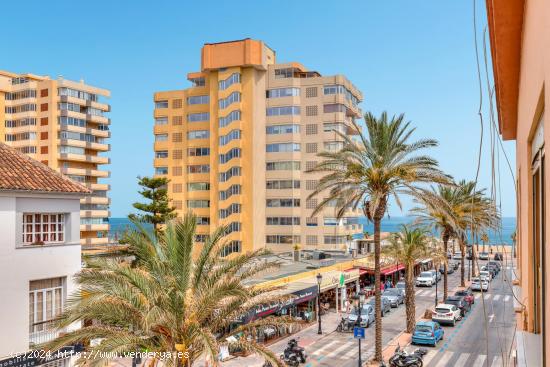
x: 340, y: 349
x: 435, y: 358
x: 487, y: 296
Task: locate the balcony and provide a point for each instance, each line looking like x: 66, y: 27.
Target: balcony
x: 44, y: 332
x: 98, y: 186
x: 85, y: 172
x: 85, y: 144
x: 95, y: 214
x: 94, y: 241
x: 94, y: 227
x: 86, y: 130
x: 83, y: 158
x: 95, y: 200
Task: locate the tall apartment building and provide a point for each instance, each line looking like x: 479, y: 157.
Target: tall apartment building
x: 63, y: 124
x: 237, y: 143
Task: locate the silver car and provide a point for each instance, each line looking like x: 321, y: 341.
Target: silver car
x: 367, y: 316
x: 393, y: 295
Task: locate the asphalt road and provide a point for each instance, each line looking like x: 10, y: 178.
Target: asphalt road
x: 341, y: 349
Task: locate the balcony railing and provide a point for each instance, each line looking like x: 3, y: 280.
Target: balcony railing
x: 43, y: 332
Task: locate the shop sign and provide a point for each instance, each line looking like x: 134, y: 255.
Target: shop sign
x: 338, y: 278
x: 300, y: 296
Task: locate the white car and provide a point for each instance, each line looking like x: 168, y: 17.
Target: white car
x: 483, y: 256
x: 485, y: 275
x: 446, y: 314
x: 478, y: 285
x: 457, y: 256
x: 437, y: 275
x: 426, y: 278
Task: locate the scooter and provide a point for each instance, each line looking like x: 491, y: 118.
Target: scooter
x: 344, y: 326
x: 293, y: 354
x: 403, y: 359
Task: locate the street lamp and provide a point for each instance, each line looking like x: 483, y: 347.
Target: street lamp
x: 319, y: 279
x: 359, y: 300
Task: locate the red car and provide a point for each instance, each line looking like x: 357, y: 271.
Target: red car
x: 467, y: 294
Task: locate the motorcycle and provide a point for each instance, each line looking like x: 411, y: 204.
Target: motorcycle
x: 293, y: 354
x: 403, y: 359
x: 344, y: 326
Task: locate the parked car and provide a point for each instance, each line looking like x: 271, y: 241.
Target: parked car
x: 485, y: 275
x: 367, y: 316
x: 427, y: 332
x: 498, y: 256
x: 449, y: 254
x: 436, y: 274
x: 459, y: 302
x: 483, y: 256
x: 490, y: 269
x: 456, y: 264
x: 394, y: 296
x: 495, y: 264
x: 385, y: 305
x: 450, y: 269
x: 401, y: 285
x: 467, y: 294
x: 457, y: 255
x: 478, y: 285
x: 426, y: 278
x: 446, y: 314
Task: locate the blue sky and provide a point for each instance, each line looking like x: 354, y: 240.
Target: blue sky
x: 415, y: 57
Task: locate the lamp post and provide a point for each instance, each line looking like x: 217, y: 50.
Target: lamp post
x: 359, y: 300
x: 319, y: 279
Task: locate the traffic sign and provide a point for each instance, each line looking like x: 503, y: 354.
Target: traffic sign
x: 359, y: 332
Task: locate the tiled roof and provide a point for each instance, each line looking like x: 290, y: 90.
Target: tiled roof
x: 20, y: 172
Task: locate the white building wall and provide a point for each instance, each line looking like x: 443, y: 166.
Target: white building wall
x: 18, y: 266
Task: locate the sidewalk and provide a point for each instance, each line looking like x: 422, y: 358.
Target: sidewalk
x: 306, y: 337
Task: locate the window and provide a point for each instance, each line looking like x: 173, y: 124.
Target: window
x: 198, y: 134
x: 198, y: 168
x: 329, y: 127
x: 197, y: 117
x: 23, y: 108
x: 282, y: 239
x: 198, y: 82
x: 311, y: 92
x: 232, y: 79
x: 334, y: 240
x: 282, y: 203
x: 311, y: 240
x: 311, y: 129
x: 283, y: 73
x: 311, y: 110
x: 283, y: 221
x: 198, y: 99
x: 198, y: 186
x: 232, y: 135
x: 282, y: 111
x: 232, y: 247
x: 333, y: 146
x: 226, y: 102
x: 283, y: 129
x: 161, y: 137
x: 177, y: 103
x: 177, y: 188
x: 201, y: 237
x: 44, y: 121
x: 282, y: 184
x: 282, y: 147
x: 177, y: 171
x: 282, y: 92
x: 75, y: 94
x: 177, y: 154
x: 198, y: 203
x: 232, y: 116
x: 311, y: 203
x: 283, y: 166
x: 311, y: 184
x: 198, y: 152
x: 340, y: 89
x: 334, y: 107
x: 43, y: 228
x: 233, y: 171
x: 44, y: 135
x: 203, y: 221
x: 64, y: 120
x: 26, y: 150
x: 177, y: 120
x: 311, y: 221
x: 20, y: 136
x: 26, y: 93
x: 161, y: 170
x: 20, y: 122
x: 161, y: 120
x: 177, y: 137
x: 46, y: 303
x: 310, y: 165
x: 231, y: 209
x: 327, y: 221
x: 232, y: 190
x: 311, y: 148
x: 161, y: 154
x: 161, y: 104
x: 67, y: 149
x: 233, y: 153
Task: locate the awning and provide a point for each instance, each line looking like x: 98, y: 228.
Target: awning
x: 392, y: 269
x: 305, y: 292
x: 361, y: 271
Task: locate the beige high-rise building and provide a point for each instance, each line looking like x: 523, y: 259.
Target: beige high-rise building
x: 63, y: 124
x: 237, y: 143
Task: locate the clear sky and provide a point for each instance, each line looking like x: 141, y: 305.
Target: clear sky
x: 415, y: 57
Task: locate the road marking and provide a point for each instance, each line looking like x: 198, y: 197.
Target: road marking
x: 507, y: 298
x: 352, y: 352
x: 480, y: 360
x: 497, y: 361
x: 320, y: 350
x: 336, y: 351
x: 444, y: 359
x: 429, y: 356
x: 487, y: 296
x: 491, y: 317
x: 477, y: 295
x: 496, y: 297
x: 461, y: 361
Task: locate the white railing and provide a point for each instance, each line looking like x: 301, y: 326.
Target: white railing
x: 43, y: 332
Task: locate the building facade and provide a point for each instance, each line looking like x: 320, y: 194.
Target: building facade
x: 520, y: 47
x: 236, y: 146
x: 39, y: 253
x: 62, y: 124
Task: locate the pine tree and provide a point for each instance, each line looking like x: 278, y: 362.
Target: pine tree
x: 158, y: 211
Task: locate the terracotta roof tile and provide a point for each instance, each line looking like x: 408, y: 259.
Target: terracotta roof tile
x: 20, y: 172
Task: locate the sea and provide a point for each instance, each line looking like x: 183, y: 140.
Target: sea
x: 389, y: 224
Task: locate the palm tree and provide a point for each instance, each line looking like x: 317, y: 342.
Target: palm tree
x: 168, y: 300
x: 407, y: 247
x: 436, y: 210
x: 366, y: 173
x: 484, y: 238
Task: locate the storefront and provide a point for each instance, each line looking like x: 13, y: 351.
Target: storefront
x: 337, y: 287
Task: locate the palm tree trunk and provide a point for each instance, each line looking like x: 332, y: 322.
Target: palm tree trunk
x: 377, y: 293
x: 410, y: 306
x: 462, y: 269
x: 445, y: 280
